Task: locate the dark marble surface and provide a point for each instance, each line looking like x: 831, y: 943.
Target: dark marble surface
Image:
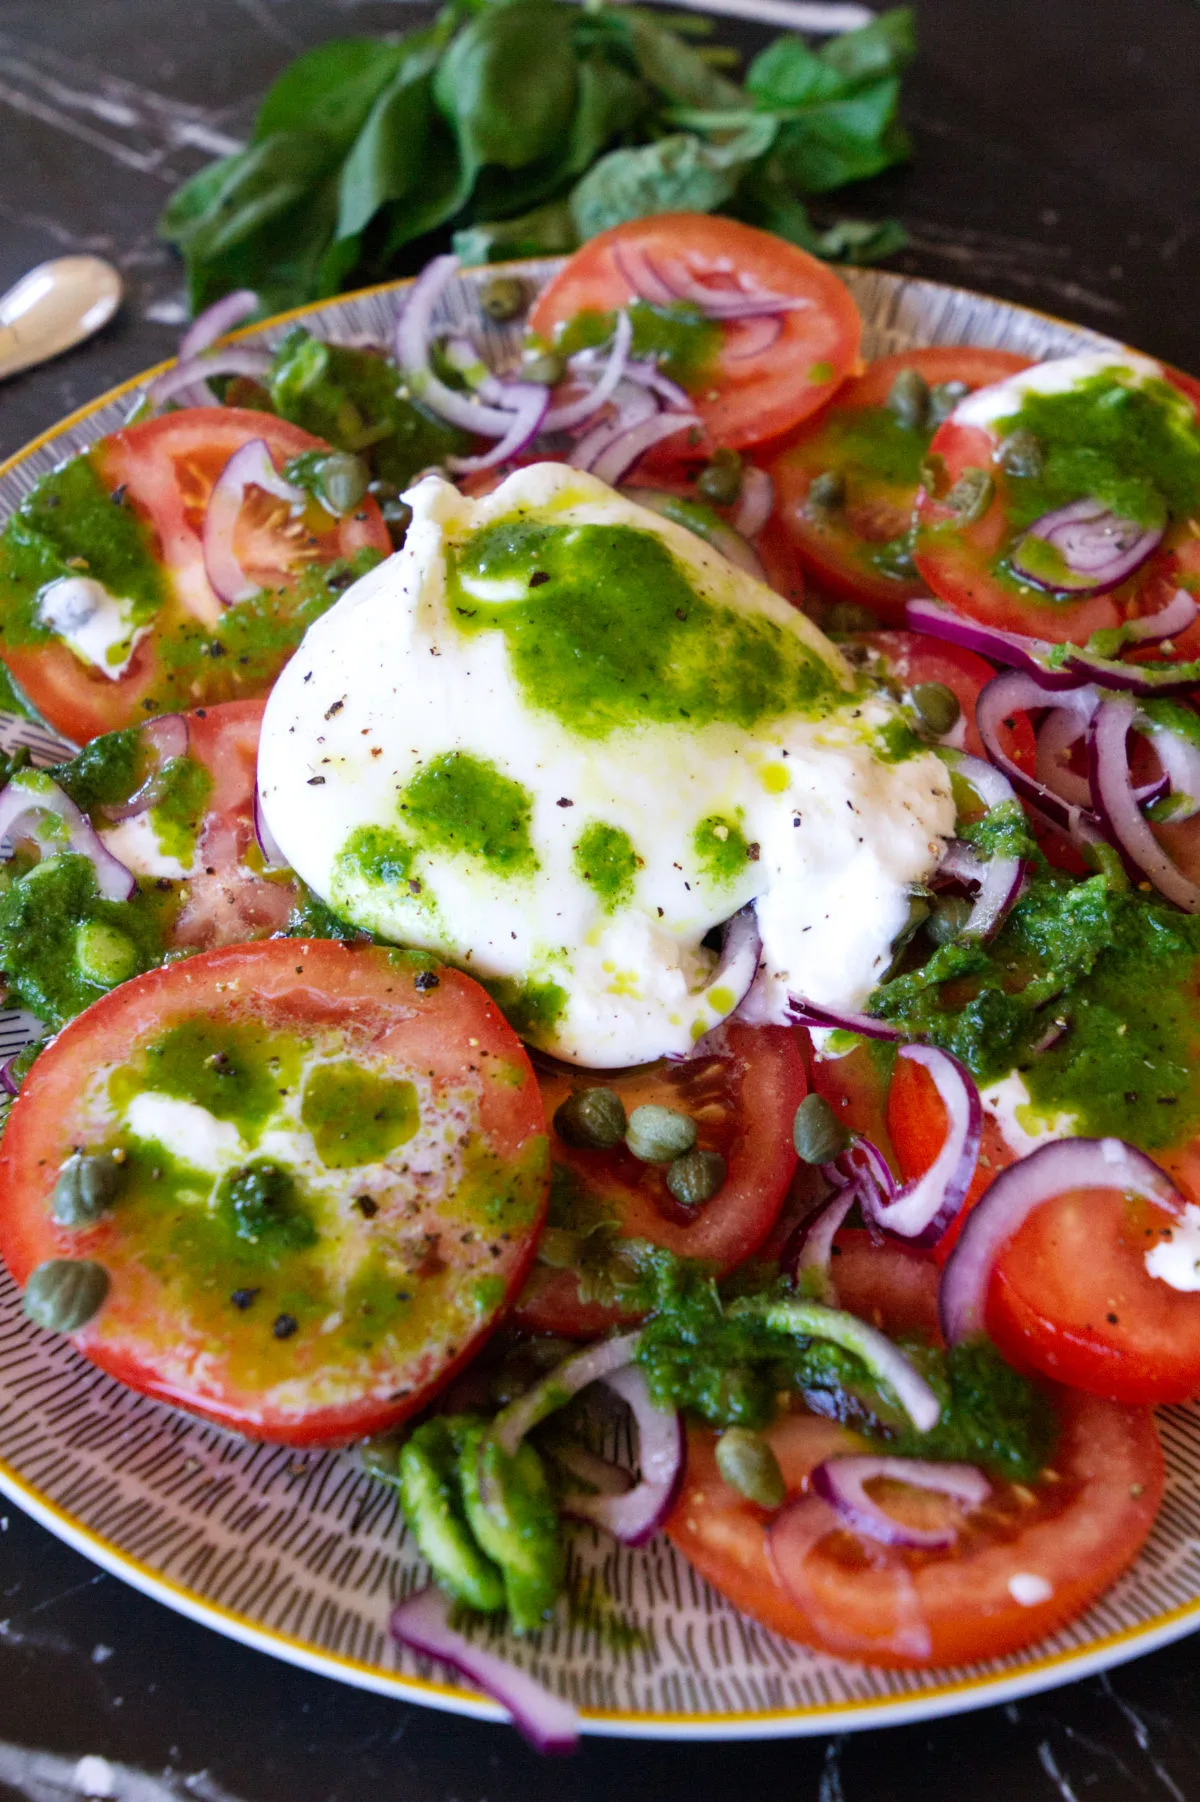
x: 1058, y: 164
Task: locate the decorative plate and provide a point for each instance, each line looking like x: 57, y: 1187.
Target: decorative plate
x: 304, y: 1555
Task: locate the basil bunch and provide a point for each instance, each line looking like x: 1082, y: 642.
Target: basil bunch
x: 526, y: 126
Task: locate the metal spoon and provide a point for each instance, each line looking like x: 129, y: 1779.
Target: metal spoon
x: 56, y: 305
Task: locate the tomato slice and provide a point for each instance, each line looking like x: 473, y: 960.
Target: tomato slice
x: 959, y: 561
x: 914, y: 1608
x: 912, y: 658
x: 860, y: 549
x: 198, y: 650
x: 743, y: 1098
x: 742, y: 398
x: 385, y: 1193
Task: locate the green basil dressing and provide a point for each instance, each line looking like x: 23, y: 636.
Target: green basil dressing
x: 879, y: 455
x: 721, y: 849
x: 467, y: 807
x: 605, y: 859
x: 680, y: 338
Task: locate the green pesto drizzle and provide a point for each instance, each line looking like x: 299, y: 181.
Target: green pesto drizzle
x: 356, y: 1116
x: 721, y: 848
x: 605, y: 859
x: 682, y: 341
x: 464, y: 805
x: 182, y: 791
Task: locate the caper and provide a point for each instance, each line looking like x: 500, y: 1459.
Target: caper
x: 381, y: 1454
x: 342, y: 479
x: 826, y: 492
x: 696, y: 1177
x: 592, y: 1118
x: 503, y: 298
x: 848, y: 616
x: 659, y: 1135
x: 558, y: 1248
x: 943, y: 398
x: 908, y: 398
x: 946, y: 922
x: 747, y: 1464
x: 85, y: 1189
x: 971, y: 495
x: 720, y: 481
x: 546, y: 369
x: 104, y: 954
x: 817, y: 1133
x: 1021, y: 454
x: 64, y: 1293
x: 937, y: 706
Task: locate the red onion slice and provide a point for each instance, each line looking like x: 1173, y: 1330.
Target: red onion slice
x: 8, y: 1081
x: 167, y: 737
x: 545, y: 1720
x: 649, y: 375
x: 885, y: 1361
x: 234, y: 359
x: 574, y: 413
x: 29, y: 799
x: 597, y: 1361
x: 808, y: 1013
x: 1171, y: 621
x: 1117, y: 805
x: 413, y: 336
x: 531, y: 403
x: 808, y: 1252
x: 922, y: 1210
x: 1097, y: 549
x: 722, y: 303
x: 842, y: 1483
x: 641, y: 276
x: 1036, y: 656
x: 1016, y: 692
x: 608, y: 1479
x: 268, y: 844
x: 636, y: 1516
x: 1000, y: 877
x: 1051, y: 1170
x: 757, y: 500
x: 1180, y: 760
x: 792, y: 1536
x: 625, y: 450
x: 249, y: 467
x: 741, y: 949
x: 1059, y: 733
x: 725, y: 539
x: 216, y: 320
x: 632, y: 405
x: 753, y: 337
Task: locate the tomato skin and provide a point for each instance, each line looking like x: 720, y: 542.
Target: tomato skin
x: 830, y: 545
x: 301, y: 983
x: 913, y: 658
x: 903, y: 1610
x: 744, y: 1102
x: 749, y: 399
x: 167, y: 467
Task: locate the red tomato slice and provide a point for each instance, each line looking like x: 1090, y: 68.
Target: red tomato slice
x: 957, y: 560
x: 299, y: 1341
x: 167, y: 468
x: 912, y: 658
x: 906, y: 1608
x: 745, y: 398
x: 843, y: 547
x: 743, y: 1098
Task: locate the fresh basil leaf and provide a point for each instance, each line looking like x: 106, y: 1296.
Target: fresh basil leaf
x: 787, y: 73
x: 331, y: 89
x: 678, y: 174
x: 507, y: 83
x: 389, y: 152
x: 861, y: 240
x: 256, y: 186
x: 884, y: 47
x: 611, y: 103
x: 844, y: 140
x: 677, y: 71
x: 548, y: 231
x: 444, y: 189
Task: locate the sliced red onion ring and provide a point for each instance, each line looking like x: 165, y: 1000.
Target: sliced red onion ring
x: 1097, y: 549
x: 167, y: 737
x: 1180, y: 759
x: 885, y: 1361
x: 603, y: 1359
x: 1038, y: 657
x: 792, y: 1536
x: 234, y: 359
x: 531, y: 403
x: 842, y: 1483
x: 1171, y: 621
x: 632, y: 405
x: 589, y: 1467
x: 809, y: 1249
x: 1059, y: 733
x: 574, y: 413
x: 413, y: 335
x: 751, y: 337
x: 922, y: 1210
x: 754, y: 507
x: 641, y: 275
x: 808, y: 1013
x: 1117, y: 805
x: 249, y: 467
x: 1016, y: 692
x: 729, y: 542
x: 273, y: 858
x: 545, y: 1720
x: 1051, y: 1170
x: 8, y: 1082
x: 864, y: 1165
x: 990, y: 784
x: 999, y: 877
x: 636, y: 1516
x: 215, y: 321
x: 721, y: 303
x: 26, y: 802
x: 649, y: 375
x: 624, y: 451
x: 741, y: 949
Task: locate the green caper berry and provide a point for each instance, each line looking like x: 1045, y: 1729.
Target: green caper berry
x: 547, y: 370
x: 659, y: 1135
x: 397, y: 517
x: 381, y: 1454
x: 558, y: 1249
x: 747, y: 1464
x: 946, y: 922
x: 908, y: 398
x: 696, y: 1177
x: 85, y: 1189
x: 342, y: 479
x: 971, y: 495
x: 817, y: 1133
x: 591, y: 1118
x: 720, y: 481
x: 937, y: 706
x: 826, y: 492
x: 943, y: 398
x: 1021, y: 454
x: 104, y: 955
x: 64, y: 1293
x: 503, y: 298
x: 848, y: 616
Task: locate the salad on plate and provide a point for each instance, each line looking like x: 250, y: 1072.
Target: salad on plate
x: 618, y: 929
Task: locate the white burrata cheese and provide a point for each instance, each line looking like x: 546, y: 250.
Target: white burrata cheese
x: 989, y: 406
x: 579, y: 861
x: 96, y: 625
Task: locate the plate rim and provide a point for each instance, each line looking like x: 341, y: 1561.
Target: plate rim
x: 853, y: 1714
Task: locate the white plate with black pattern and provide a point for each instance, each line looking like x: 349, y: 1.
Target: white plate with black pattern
x: 304, y: 1555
